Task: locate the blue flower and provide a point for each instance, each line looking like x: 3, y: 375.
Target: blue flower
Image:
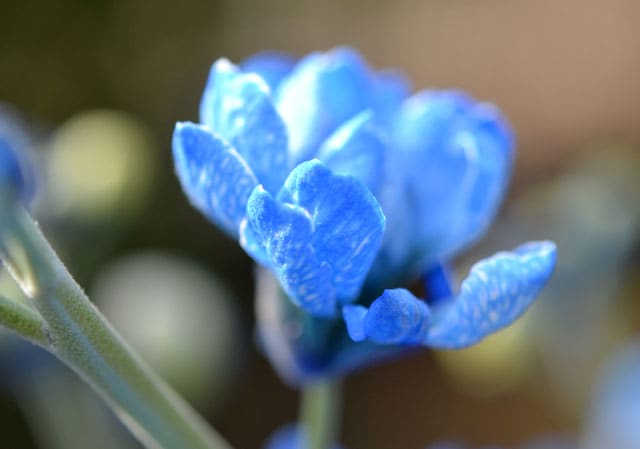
x: 292, y: 436
x: 15, y: 178
x: 10, y: 172
x: 346, y: 189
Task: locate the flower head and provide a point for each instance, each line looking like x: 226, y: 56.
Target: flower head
x: 10, y: 172
x: 15, y: 178
x: 346, y: 188
x: 292, y: 436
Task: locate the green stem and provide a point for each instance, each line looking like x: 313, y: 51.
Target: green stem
x: 63, y: 413
x: 320, y: 413
x: 23, y: 320
x: 81, y: 337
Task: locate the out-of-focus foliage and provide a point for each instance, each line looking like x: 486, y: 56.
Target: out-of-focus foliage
x: 100, y: 166
x: 179, y: 317
x: 614, y: 409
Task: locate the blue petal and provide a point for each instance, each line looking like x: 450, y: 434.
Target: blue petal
x: 212, y: 104
x: 17, y: 166
x: 320, y: 235
x: 437, y: 284
x: 292, y: 436
x: 354, y: 317
x: 397, y: 317
x: 213, y: 175
x: 390, y: 89
x: 304, y: 348
x: 347, y: 221
x: 288, y: 437
x: 271, y: 66
x: 238, y: 107
x: 252, y: 244
x: 285, y: 233
x: 497, y: 291
x: 11, y: 177
x: 492, y: 146
x: 322, y: 91
x: 357, y: 149
x: 456, y: 158
x: 427, y: 117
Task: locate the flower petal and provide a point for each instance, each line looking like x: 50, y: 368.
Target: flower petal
x: 456, y: 159
x: 304, y: 348
x: 437, y: 284
x: 252, y: 244
x: 291, y: 436
x: 354, y: 317
x: 213, y: 175
x: 497, y: 291
x: 357, y: 149
x: 348, y: 222
x: 285, y: 233
x: 11, y: 177
x: 271, y: 66
x: 395, y: 317
x: 17, y: 166
x: 390, y: 89
x: 222, y: 73
x: 238, y: 106
x: 321, y: 92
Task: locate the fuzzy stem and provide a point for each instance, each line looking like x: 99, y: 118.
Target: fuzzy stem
x: 81, y: 337
x: 24, y: 320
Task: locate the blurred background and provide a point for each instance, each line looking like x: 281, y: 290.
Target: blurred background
x: 98, y: 85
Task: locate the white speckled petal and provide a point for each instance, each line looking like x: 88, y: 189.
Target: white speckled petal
x: 238, y: 107
x: 285, y: 233
x: 497, y: 291
x: 214, y: 176
x: 348, y: 222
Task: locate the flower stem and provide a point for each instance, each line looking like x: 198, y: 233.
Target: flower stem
x: 24, y: 320
x: 320, y: 413
x: 62, y: 413
x: 80, y: 336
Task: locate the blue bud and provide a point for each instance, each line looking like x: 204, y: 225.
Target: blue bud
x: 292, y: 436
x: 345, y: 187
x: 16, y: 172
x: 11, y: 177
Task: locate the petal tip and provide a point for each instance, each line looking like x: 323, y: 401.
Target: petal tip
x: 354, y: 318
x: 397, y: 317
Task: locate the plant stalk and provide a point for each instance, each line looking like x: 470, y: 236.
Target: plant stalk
x: 320, y: 413
x: 79, y: 335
